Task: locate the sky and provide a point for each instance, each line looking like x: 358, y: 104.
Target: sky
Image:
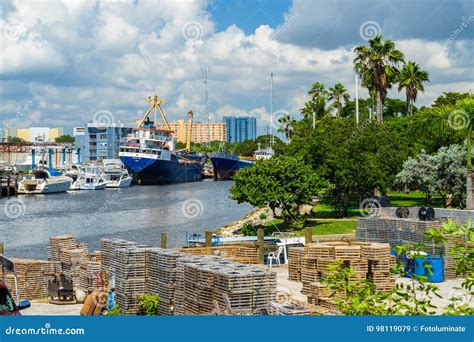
x: 65, y: 63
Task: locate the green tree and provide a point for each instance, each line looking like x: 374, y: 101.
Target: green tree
x: 443, y: 173
x: 339, y: 95
x: 378, y: 67
x: 355, y: 158
x: 65, y: 139
x: 450, y: 98
x: 316, y: 107
x: 11, y: 139
x: 280, y: 182
x: 457, y: 120
x: 286, y: 127
x: 412, y: 79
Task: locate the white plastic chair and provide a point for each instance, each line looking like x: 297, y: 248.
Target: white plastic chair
x: 275, y: 256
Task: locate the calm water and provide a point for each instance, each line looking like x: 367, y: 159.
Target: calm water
x: 139, y: 213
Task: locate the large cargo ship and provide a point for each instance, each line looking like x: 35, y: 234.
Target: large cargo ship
x: 150, y: 156
x: 226, y: 164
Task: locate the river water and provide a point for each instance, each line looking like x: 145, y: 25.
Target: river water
x: 139, y: 213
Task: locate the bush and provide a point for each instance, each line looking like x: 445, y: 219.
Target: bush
x: 148, y: 304
x: 248, y: 229
x: 115, y: 311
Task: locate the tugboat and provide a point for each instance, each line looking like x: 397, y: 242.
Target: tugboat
x: 150, y: 156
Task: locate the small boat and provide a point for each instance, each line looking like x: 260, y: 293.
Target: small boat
x: 92, y: 179
x: 272, y: 243
x: 76, y: 173
x: 116, y: 175
x: 264, y: 153
x: 44, y: 182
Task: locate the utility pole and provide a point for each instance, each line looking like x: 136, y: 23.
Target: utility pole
x: 205, y: 71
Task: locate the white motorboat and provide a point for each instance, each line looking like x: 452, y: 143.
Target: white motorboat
x: 92, y: 179
x: 116, y: 175
x: 42, y: 182
x: 76, y: 173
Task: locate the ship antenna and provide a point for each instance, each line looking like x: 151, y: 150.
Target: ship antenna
x: 205, y: 70
x: 271, y: 106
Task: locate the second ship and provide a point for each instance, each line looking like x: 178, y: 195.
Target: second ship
x: 150, y: 155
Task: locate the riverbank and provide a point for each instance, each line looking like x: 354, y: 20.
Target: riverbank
x: 255, y: 217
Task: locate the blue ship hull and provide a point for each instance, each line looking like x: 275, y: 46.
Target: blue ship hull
x: 226, y: 165
x: 152, y: 171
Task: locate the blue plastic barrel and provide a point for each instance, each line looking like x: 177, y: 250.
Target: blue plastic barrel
x: 408, y: 265
x: 419, y: 268
x: 437, y: 269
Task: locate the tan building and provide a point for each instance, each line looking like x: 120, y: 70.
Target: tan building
x: 34, y: 134
x: 200, y: 131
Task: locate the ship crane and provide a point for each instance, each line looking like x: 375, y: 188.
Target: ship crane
x: 154, y: 104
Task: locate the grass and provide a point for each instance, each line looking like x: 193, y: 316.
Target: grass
x: 319, y: 227
x: 397, y: 199
x: 413, y: 199
x: 333, y: 227
x: 326, y: 220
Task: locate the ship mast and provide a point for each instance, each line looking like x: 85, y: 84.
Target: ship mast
x: 272, y: 141
x: 205, y: 70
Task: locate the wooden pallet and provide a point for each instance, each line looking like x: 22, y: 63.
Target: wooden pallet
x: 347, y: 252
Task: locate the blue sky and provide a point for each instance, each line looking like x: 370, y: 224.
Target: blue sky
x: 248, y: 14
x: 62, y: 62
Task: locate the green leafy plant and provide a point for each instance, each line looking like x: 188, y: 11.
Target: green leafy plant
x: 115, y: 311
x: 248, y: 229
x: 148, y: 304
x: 463, y: 255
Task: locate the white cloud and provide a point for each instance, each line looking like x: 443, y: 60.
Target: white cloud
x: 76, y: 58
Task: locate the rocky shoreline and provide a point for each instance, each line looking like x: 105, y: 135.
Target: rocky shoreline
x: 254, y: 218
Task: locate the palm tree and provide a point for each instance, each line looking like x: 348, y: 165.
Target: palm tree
x: 317, y: 90
x: 338, y: 94
x: 451, y: 119
x: 412, y: 78
x: 378, y: 66
x: 287, y: 123
x: 316, y: 107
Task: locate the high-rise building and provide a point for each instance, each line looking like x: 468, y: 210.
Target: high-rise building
x: 201, y: 130
x: 240, y: 128
x: 97, y: 141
